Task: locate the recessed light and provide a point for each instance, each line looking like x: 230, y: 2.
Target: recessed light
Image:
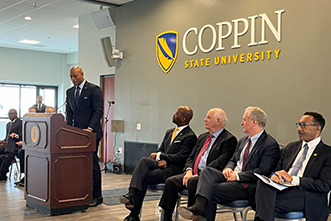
x: 31, y: 42
x: 75, y: 26
x: 28, y: 18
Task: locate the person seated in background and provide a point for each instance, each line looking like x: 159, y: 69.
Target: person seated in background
x: 50, y: 110
x: 258, y: 152
x: 13, y: 135
x: 170, y: 159
x: 213, y: 149
x: 40, y: 106
x: 21, y: 154
x: 307, y: 165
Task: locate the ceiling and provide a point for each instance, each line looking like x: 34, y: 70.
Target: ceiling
x: 52, y: 23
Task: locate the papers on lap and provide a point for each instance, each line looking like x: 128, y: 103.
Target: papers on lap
x: 273, y: 183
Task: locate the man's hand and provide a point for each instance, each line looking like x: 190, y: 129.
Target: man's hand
x: 188, y: 175
x: 13, y: 135
x: 162, y: 163
x: 229, y: 174
x: 88, y: 130
x: 19, y: 143
x: 281, y: 175
x: 153, y: 156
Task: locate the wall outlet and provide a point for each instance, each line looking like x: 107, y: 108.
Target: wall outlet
x: 138, y: 126
x: 120, y: 150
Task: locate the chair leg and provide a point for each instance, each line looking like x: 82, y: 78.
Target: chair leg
x: 176, y: 208
x: 235, y: 216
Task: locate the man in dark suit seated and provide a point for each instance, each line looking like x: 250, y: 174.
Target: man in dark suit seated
x: 213, y: 149
x: 256, y: 153
x: 39, y: 106
x: 13, y: 136
x: 170, y: 159
x: 307, y: 165
x: 84, y: 109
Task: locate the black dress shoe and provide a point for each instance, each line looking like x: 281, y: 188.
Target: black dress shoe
x: 130, y: 218
x: 127, y: 199
x: 191, y: 213
x: 20, y: 182
x: 96, y: 201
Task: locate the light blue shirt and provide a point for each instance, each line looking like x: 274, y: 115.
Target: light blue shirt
x: 203, y: 160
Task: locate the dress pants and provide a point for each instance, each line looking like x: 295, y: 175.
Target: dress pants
x: 145, y: 173
x: 21, y: 157
x: 269, y: 199
x: 173, y: 186
x: 96, y: 173
x: 213, y: 186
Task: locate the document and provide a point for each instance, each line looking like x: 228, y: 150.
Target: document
x: 279, y: 186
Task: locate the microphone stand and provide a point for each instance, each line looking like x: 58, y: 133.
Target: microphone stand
x: 105, y: 168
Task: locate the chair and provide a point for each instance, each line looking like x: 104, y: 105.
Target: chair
x: 290, y: 216
x: 241, y: 206
x: 17, y: 171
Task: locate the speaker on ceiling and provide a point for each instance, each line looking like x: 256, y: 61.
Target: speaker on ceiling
x: 107, y: 50
x: 102, y: 18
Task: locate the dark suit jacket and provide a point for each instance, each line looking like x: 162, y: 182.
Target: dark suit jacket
x: 41, y: 110
x: 11, y: 142
x: 176, y: 153
x: 316, y: 179
x: 219, y: 154
x: 89, y: 111
x: 262, y: 159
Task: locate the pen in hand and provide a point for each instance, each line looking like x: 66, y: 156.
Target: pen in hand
x: 278, y: 176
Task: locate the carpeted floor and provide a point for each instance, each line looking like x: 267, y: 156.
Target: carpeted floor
x: 110, y: 197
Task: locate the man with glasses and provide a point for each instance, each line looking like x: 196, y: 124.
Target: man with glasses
x: 307, y: 165
x: 13, y: 136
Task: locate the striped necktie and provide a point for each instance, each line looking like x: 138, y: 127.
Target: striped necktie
x: 298, y: 164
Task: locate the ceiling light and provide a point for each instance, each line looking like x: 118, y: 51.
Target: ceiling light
x: 28, y: 18
x: 31, y: 42
x: 75, y: 26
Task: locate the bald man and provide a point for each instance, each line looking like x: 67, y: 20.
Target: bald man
x: 84, y: 109
x: 217, y: 152
x: 176, y: 146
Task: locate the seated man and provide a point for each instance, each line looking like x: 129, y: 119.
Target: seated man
x: 21, y: 154
x: 13, y: 135
x: 213, y: 149
x: 307, y: 165
x: 50, y: 110
x: 168, y: 161
x: 256, y: 153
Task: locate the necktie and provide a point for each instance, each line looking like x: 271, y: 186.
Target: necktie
x: 197, y: 160
x: 39, y: 106
x: 174, y: 134
x: 77, y: 96
x: 246, y: 153
x: 9, y: 128
x: 298, y: 164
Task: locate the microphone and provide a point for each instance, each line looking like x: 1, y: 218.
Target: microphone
x: 111, y: 102
x: 61, y: 106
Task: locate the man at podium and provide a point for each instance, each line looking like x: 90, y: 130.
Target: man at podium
x: 84, y: 109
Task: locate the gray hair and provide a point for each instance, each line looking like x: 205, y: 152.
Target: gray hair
x: 258, y: 114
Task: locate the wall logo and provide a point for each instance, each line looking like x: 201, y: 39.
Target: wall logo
x: 167, y: 49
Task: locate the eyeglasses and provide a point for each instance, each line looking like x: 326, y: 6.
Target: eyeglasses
x: 304, y: 124
x: 11, y: 113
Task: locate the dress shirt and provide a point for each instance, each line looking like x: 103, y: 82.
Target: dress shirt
x: 311, y: 147
x: 203, y: 160
x: 239, y: 166
x: 179, y: 130
x: 81, y: 85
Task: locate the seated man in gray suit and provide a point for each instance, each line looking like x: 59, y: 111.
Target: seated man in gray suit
x: 307, y: 165
x: 213, y: 149
x: 169, y: 160
x: 258, y: 152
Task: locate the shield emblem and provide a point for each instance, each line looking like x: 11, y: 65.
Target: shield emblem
x: 166, y: 49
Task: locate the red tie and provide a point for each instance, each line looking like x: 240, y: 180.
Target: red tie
x: 197, y: 160
x: 245, y: 185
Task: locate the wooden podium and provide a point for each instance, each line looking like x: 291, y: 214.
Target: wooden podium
x: 58, y: 164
